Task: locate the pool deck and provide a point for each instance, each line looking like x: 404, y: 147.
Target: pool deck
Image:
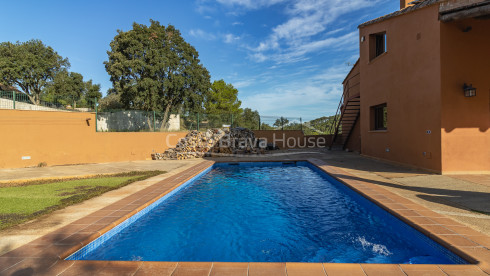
x: 443, y: 211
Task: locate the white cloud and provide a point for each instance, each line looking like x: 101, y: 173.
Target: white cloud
x: 289, y: 81
x: 307, y: 30
x: 295, y: 53
x: 243, y: 83
x: 230, y: 38
x: 310, y: 97
x: 250, y: 4
x: 198, y: 33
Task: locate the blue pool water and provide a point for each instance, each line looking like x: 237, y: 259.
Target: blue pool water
x: 266, y: 212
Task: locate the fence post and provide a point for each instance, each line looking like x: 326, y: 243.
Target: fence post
x: 197, y: 121
x: 96, y: 109
x: 155, y: 122
x: 14, y: 98
x: 259, y: 123
x: 301, y: 123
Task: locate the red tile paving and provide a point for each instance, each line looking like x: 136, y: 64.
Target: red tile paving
x: 45, y: 256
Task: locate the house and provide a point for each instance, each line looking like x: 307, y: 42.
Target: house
x: 420, y: 91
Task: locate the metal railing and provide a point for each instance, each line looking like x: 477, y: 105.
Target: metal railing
x: 21, y: 101
x: 154, y: 121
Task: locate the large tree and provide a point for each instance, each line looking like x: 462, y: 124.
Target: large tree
x: 249, y: 119
x: 71, y: 87
x: 154, y: 68
x: 92, y: 90
x: 30, y: 66
x: 281, y: 122
x: 222, y: 99
x: 67, y: 85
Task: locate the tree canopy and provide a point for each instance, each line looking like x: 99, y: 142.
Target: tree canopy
x: 223, y: 98
x: 110, y: 102
x: 71, y: 88
x: 154, y: 68
x: 281, y: 122
x: 30, y: 66
x: 92, y: 90
x: 249, y: 119
x: 320, y: 125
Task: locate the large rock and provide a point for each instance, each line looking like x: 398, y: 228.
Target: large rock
x: 214, y: 142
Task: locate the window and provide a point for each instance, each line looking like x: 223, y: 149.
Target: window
x: 377, y: 45
x: 379, y: 115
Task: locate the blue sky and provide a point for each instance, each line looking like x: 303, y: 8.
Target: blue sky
x: 286, y: 57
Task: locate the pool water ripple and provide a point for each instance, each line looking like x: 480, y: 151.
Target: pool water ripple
x: 270, y: 213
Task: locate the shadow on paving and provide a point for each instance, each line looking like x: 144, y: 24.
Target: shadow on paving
x: 472, y: 199
x: 461, y: 199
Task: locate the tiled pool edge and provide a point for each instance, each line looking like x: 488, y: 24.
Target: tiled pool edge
x: 161, y: 195
x: 47, y: 259
x: 132, y: 218
x: 476, y: 254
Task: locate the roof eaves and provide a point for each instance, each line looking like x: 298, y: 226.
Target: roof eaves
x: 416, y: 6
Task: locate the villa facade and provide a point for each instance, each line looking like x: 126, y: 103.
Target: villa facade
x: 422, y: 87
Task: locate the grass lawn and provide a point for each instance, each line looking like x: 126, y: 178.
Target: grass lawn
x: 29, y: 200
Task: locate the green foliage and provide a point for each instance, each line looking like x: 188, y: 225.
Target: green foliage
x: 249, y: 119
x: 110, y: 102
x: 92, y: 91
x: 30, y: 66
x: 68, y: 85
x: 265, y: 126
x: 320, y: 125
x: 29, y: 200
x: 223, y: 98
x: 69, y: 88
x: 154, y: 68
x: 281, y: 122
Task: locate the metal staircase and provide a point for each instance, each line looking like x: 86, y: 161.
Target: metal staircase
x: 346, y: 117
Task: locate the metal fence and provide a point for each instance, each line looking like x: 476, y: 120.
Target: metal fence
x: 153, y: 121
x: 137, y: 120
x: 21, y: 101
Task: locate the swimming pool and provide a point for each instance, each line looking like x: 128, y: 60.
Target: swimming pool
x: 265, y: 212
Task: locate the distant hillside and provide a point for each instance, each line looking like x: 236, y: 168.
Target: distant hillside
x: 318, y: 126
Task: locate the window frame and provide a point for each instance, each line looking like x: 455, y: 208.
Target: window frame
x: 377, y: 45
x: 379, y: 117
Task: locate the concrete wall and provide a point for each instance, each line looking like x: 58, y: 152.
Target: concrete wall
x: 59, y: 138
x: 288, y: 139
x: 354, y: 142
x: 407, y: 79
x: 465, y: 121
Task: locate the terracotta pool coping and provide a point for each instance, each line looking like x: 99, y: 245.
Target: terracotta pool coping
x: 45, y: 255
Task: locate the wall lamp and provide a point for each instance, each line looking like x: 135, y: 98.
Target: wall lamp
x: 469, y: 90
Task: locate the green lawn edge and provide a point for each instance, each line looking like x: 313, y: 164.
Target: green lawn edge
x: 8, y: 220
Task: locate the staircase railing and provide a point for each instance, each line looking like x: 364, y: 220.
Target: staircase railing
x: 339, y: 114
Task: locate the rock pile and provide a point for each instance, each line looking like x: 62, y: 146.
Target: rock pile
x: 214, y: 142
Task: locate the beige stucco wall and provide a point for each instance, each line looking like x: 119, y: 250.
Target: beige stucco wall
x: 59, y: 138
x: 407, y: 78
x: 465, y: 121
